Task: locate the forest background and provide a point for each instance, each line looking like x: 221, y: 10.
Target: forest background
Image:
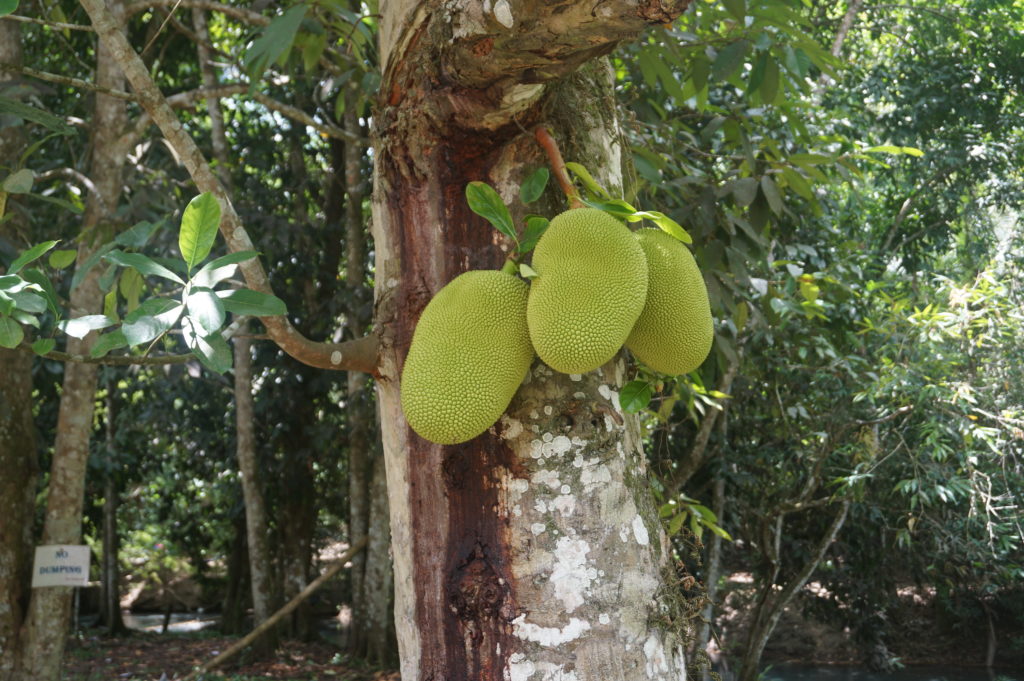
x: 850, y: 176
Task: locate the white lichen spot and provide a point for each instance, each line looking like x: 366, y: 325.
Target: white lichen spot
x: 336, y: 357
x: 537, y: 528
x: 536, y: 449
x: 575, y: 377
x: 511, y: 428
x: 548, y: 437
x: 392, y: 282
x: 547, y: 477
x: 624, y: 534
x: 519, y: 668
x: 603, y: 618
x: 503, y: 13
x: 548, y: 411
x: 594, y: 475
x: 517, y: 510
x: 558, y: 446
x: 640, y: 531
x: 564, y: 504
x: 571, y: 577
x: 238, y: 234
x: 580, y: 396
x: 549, y: 636
x: 604, y: 391
x: 541, y: 506
x: 534, y: 415
x: 516, y: 488
x: 657, y: 662
x: 565, y: 489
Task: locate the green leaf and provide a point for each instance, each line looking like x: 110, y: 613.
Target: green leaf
x: 588, y: 181
x: 527, y: 272
x: 46, y: 288
x: 205, y: 310
x: 485, y: 202
x: 31, y: 113
x: 198, y: 229
x: 19, y: 182
x: 28, y: 256
x: 66, y: 205
x: 90, y: 262
x: 107, y: 342
x: 81, y: 326
x: 798, y: 183
x: 770, y: 83
x: 771, y: 192
x: 744, y: 190
x: 138, y: 235
x: 27, y: 301
x: 143, y: 264
x: 243, y: 301
x: 150, y: 319
x: 131, y: 286
x: 213, y: 352
x: 43, y: 346
x: 8, y: 7
x: 729, y: 59
x: 534, y: 185
x: 667, y: 225
x: 892, y: 149
x: 535, y: 228
x: 219, y: 269
x: 737, y: 8
x: 635, y: 395
x: 676, y: 523
x: 276, y: 40
x: 25, y: 318
x: 617, y: 208
x: 61, y: 259
x: 11, y: 333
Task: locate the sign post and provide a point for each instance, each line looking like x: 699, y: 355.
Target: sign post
x: 61, y: 565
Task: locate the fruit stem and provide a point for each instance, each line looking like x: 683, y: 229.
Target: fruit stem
x: 550, y: 147
x: 510, y: 266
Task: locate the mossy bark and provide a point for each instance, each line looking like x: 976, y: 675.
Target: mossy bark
x: 533, y: 551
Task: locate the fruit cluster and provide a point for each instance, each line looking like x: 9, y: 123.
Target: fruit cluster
x: 599, y: 286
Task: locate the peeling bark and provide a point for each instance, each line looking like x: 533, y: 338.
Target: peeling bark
x: 502, y: 574
x: 17, y: 432
x: 49, y: 614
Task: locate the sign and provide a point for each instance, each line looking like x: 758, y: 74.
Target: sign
x: 61, y: 565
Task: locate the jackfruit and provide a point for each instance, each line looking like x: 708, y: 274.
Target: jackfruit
x: 674, y: 332
x: 469, y: 353
x: 590, y: 289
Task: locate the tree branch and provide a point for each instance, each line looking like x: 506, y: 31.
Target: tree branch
x: 240, y: 13
x: 51, y: 24
x: 356, y: 355
x: 65, y: 80
x: 112, y: 360
x: 550, y: 147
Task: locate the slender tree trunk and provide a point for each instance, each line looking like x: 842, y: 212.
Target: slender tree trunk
x: 18, y: 461
x: 257, y: 527
x: 712, y: 569
x: 232, y: 618
x: 296, y: 520
x: 111, y: 608
x: 43, y: 636
x: 379, y: 582
x: 533, y: 551
x: 772, y: 603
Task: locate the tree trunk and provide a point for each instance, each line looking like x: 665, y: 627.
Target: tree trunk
x: 232, y: 618
x: 111, y: 608
x: 533, y: 551
x: 17, y: 431
x: 712, y: 569
x: 379, y: 582
x: 46, y: 627
x: 296, y: 523
x: 257, y: 526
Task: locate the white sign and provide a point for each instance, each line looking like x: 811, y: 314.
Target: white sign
x: 61, y: 565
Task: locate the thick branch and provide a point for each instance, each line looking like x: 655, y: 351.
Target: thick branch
x: 357, y: 355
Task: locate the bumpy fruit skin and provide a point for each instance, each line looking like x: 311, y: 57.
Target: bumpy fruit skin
x: 590, y: 289
x: 674, y: 332
x: 469, y: 354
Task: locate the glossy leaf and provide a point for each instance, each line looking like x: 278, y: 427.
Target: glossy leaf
x: 206, y: 310
x: 486, y: 202
x: 11, y: 333
x: 28, y: 256
x: 199, y: 225
x: 534, y: 185
x: 143, y: 264
x: 635, y: 396
x: 244, y: 301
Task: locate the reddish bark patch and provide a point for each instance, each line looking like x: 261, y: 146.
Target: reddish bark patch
x: 482, y: 48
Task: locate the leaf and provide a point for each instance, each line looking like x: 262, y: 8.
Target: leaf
x: 245, y: 301
x: 667, y: 225
x: 43, y: 346
x: 143, y: 264
x: 90, y: 262
x: 737, y: 8
x: 534, y: 185
x: 485, y: 202
x: 744, y: 190
x: 729, y: 59
x: 211, y: 350
x: 81, y: 326
x: 25, y: 318
x: 617, y: 208
x: 527, y: 272
x: 28, y: 256
x: 138, y: 235
x: 199, y: 225
x: 11, y: 333
x: 676, y: 523
x: 635, y: 395
x: 61, y: 259
x: 798, y: 183
x: 66, y: 205
x: 588, y: 181
x: 130, y: 286
x: 770, y: 83
x: 46, y: 288
x: 205, y: 310
x: 27, y: 301
x: 219, y: 269
x: 150, y: 319
x: 8, y: 7
x: 107, y: 342
x: 892, y: 149
x: 535, y: 228
x: 31, y: 113
x: 275, y: 41
x: 771, y: 192
x: 19, y: 182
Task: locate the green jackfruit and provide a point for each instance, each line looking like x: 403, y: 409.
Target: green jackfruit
x: 469, y: 353
x: 590, y: 289
x: 674, y: 332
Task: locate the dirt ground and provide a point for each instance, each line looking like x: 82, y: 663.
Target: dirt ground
x: 147, y: 657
